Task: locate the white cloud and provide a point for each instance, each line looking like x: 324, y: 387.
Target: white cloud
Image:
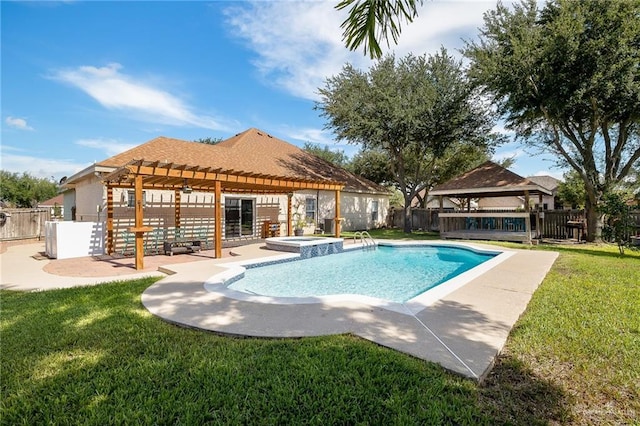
x: 18, y: 123
x: 319, y: 137
x: 118, y: 91
x: 40, y: 167
x: 514, y: 153
x: 299, y: 44
x: 110, y: 147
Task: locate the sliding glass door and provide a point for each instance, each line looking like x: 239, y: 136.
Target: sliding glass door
x: 238, y: 217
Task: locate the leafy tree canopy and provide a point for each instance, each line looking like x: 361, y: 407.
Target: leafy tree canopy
x: 571, y: 190
x: 209, y: 140
x: 420, y: 111
x: 567, y: 78
x: 338, y: 158
x: 373, y: 164
x: 24, y: 190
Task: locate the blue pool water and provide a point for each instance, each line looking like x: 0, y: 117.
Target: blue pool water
x: 396, y: 274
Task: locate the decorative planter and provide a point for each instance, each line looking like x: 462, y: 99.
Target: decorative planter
x: 298, y: 232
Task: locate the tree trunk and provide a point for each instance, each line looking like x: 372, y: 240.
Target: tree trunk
x: 594, y: 221
x: 407, y: 215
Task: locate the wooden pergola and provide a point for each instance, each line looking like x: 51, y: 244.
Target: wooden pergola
x: 140, y: 175
x: 450, y: 222
x: 488, y: 180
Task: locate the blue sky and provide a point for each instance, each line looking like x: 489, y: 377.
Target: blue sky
x: 82, y: 81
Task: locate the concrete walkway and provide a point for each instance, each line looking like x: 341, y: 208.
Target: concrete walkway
x: 463, y: 331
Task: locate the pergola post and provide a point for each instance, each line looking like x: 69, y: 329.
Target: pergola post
x: 337, y: 218
x: 138, y: 229
x: 289, y: 227
x: 218, y: 218
x: 177, y: 208
x: 109, y: 219
x: 527, y: 221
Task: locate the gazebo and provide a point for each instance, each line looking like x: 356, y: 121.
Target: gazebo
x: 489, y: 180
x: 140, y: 175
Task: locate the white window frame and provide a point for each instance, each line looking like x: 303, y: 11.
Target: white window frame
x: 375, y: 209
x: 310, y: 214
x: 131, y: 198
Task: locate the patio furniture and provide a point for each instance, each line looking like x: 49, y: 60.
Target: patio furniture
x: 202, y: 234
x: 154, y: 241
x: 179, y: 234
x: 182, y: 246
x: 129, y: 238
x: 471, y: 223
x: 579, y: 225
x: 488, y: 223
x: 270, y: 229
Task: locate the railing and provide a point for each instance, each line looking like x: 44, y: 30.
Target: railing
x: 507, y: 226
x: 365, y: 239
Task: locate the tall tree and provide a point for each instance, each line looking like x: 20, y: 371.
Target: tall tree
x: 419, y: 110
x: 567, y: 78
x: 372, y: 20
x: 337, y: 158
x: 571, y: 190
x: 208, y: 140
x: 24, y: 190
x: 373, y: 164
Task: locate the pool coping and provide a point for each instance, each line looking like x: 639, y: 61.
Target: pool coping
x: 463, y: 331
x: 219, y: 283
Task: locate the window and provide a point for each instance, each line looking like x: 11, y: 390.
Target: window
x: 310, y: 209
x: 374, y: 211
x: 131, y: 198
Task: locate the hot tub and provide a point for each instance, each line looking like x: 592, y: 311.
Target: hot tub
x: 306, y: 246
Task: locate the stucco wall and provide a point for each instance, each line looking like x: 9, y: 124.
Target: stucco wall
x: 90, y: 193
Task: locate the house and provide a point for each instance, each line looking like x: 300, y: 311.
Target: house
x: 175, y: 184
x: 517, y: 202
x: 55, y: 206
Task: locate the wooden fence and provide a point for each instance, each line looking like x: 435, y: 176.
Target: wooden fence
x: 23, y: 224
x: 553, y: 224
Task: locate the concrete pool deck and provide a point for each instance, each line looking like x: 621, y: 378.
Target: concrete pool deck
x: 463, y: 331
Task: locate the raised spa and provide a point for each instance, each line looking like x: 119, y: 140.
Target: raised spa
x: 306, y: 246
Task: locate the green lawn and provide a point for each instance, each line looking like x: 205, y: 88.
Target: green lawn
x: 94, y: 355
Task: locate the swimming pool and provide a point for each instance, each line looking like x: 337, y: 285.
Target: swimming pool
x: 395, y: 273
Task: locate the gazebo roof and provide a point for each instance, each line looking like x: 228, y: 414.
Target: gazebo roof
x: 488, y: 180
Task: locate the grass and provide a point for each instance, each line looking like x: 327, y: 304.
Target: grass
x: 94, y: 355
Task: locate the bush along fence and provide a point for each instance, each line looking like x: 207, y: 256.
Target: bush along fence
x: 554, y: 224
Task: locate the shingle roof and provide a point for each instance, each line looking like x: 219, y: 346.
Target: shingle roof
x: 548, y: 182
x: 252, y: 151
x: 58, y: 199
x: 488, y: 179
